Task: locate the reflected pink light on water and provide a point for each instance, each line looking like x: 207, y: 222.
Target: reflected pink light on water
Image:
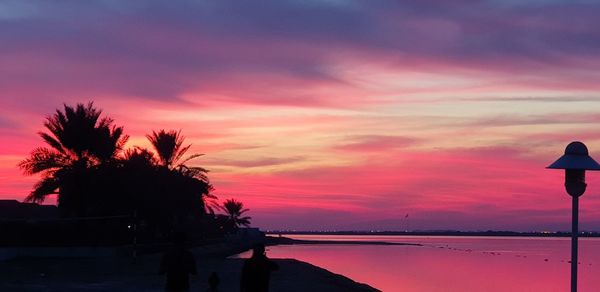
x: 454, y: 263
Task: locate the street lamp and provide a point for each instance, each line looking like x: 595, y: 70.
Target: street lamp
x: 575, y: 162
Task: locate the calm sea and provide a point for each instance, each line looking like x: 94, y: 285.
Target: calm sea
x: 453, y: 263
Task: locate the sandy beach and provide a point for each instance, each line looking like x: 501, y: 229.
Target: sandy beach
x: 111, y: 274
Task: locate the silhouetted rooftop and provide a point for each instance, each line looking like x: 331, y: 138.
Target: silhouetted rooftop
x: 13, y: 209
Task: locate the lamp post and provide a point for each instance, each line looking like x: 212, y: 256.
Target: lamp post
x: 575, y: 162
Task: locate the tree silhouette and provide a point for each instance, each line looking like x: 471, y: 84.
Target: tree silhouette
x: 234, y: 210
x: 139, y: 158
x: 190, y: 187
x: 84, y: 163
x: 169, y: 147
x: 78, y: 140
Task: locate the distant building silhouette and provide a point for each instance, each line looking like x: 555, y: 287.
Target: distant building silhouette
x: 13, y: 209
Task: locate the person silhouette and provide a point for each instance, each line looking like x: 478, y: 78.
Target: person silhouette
x: 178, y: 263
x: 213, y: 282
x: 256, y: 271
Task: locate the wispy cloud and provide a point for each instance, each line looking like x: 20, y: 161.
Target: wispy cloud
x: 341, y: 109
x: 153, y: 50
x: 534, y: 99
x: 269, y: 161
x: 375, y: 143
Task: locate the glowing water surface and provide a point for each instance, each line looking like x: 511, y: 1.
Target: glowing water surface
x: 453, y: 263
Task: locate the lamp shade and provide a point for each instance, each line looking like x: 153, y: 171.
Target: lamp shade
x: 576, y: 157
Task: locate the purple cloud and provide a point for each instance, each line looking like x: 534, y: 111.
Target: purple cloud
x: 160, y: 50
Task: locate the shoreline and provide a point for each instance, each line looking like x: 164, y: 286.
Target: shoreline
x: 489, y: 233
x: 121, y: 274
x: 327, y: 280
x: 272, y: 240
x: 118, y: 273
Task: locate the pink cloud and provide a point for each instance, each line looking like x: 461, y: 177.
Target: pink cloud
x: 269, y: 161
x: 243, y: 80
x: 421, y: 183
x: 375, y: 143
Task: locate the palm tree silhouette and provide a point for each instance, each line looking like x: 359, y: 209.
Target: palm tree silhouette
x: 78, y: 140
x: 85, y: 165
x: 139, y: 157
x: 234, y: 211
x: 168, y: 145
x: 189, y: 186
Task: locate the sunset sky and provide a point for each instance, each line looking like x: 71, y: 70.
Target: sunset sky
x: 328, y: 114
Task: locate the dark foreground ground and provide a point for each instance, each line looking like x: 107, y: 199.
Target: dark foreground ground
x: 109, y: 274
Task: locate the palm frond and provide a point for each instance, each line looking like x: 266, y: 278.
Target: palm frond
x: 108, y: 142
x: 164, y: 145
x: 52, y: 142
x: 210, y: 203
x: 234, y: 210
x: 47, y: 186
x: 168, y: 147
x: 179, y: 151
x: 243, y: 221
x: 119, y: 138
x: 139, y: 153
x: 196, y: 172
x: 43, y: 159
x: 74, y: 128
x: 193, y: 156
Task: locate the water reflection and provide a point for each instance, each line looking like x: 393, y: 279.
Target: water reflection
x: 454, y: 263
